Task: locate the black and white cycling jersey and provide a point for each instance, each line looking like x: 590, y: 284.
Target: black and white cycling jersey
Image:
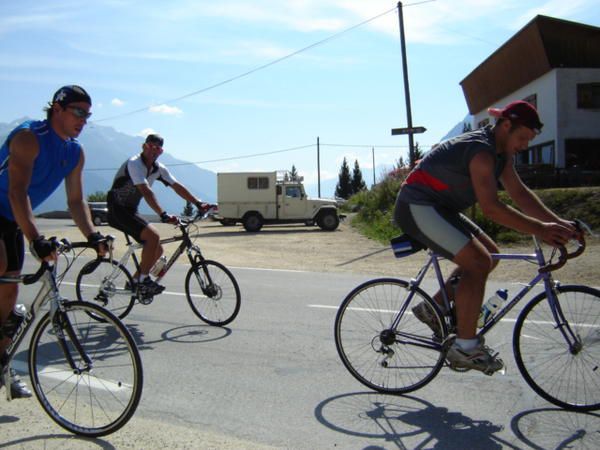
x: 132, y: 173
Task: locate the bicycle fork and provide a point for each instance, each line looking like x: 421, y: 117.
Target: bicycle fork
x: 62, y: 327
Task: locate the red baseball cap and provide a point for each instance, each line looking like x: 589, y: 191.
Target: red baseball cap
x: 521, y: 113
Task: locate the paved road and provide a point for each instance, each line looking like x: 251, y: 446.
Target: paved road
x: 273, y: 379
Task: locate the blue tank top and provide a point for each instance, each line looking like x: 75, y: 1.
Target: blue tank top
x: 56, y: 159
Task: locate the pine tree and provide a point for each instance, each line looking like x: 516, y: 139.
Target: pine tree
x: 188, y: 211
x: 358, y: 184
x: 418, y: 153
x: 293, y: 173
x: 344, y: 185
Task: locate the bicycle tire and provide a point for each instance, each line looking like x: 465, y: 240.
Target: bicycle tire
x: 93, y: 286
x: 220, y: 301
x: 92, y: 399
x: 363, y: 333
x: 566, y: 379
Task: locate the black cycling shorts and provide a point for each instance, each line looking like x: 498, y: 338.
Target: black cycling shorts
x: 126, y: 220
x: 12, y: 236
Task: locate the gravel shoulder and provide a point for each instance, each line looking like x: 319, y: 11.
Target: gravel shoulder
x: 294, y: 247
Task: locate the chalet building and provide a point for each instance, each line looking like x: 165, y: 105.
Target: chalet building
x: 555, y: 65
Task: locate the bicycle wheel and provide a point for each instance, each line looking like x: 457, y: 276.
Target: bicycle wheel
x: 567, y: 377
x: 107, y: 283
x: 87, y: 374
x: 212, y: 292
x: 388, y: 359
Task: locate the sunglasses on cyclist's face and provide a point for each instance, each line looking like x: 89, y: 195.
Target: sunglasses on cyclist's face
x: 80, y: 113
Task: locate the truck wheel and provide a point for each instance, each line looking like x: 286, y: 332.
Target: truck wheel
x: 328, y: 221
x: 253, y: 222
x: 97, y: 220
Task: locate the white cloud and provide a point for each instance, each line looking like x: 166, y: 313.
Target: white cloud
x: 117, y: 102
x: 146, y: 131
x: 166, y: 110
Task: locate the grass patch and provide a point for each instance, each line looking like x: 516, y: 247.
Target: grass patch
x: 374, y: 211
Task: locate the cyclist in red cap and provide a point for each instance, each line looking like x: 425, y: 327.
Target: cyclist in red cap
x: 452, y: 177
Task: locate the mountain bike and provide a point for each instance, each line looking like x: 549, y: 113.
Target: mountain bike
x: 556, y: 337
x: 210, y: 288
x: 85, y: 372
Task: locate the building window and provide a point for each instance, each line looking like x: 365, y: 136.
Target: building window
x: 538, y: 155
x: 258, y: 183
x: 588, y: 96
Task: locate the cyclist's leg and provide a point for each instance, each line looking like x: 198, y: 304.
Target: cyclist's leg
x: 11, y: 256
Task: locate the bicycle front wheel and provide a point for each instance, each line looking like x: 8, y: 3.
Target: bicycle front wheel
x: 86, y: 373
x: 564, y: 373
x: 108, y: 284
x: 393, y: 359
x: 212, y: 292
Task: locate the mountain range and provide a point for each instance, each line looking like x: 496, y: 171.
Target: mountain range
x: 106, y: 150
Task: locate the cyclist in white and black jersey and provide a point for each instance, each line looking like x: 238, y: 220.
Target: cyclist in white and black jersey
x: 133, y: 182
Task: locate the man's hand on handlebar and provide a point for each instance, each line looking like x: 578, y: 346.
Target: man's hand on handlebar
x: 203, y: 208
x: 168, y: 218
x: 99, y: 242
x: 43, y: 249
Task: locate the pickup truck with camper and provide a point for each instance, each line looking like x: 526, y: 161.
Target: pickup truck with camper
x: 255, y: 199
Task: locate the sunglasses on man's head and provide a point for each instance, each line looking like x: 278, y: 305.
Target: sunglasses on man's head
x: 80, y: 112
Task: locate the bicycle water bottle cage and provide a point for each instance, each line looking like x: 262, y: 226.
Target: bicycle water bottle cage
x: 404, y: 245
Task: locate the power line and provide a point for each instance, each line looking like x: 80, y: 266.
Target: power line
x: 273, y: 152
x: 264, y: 66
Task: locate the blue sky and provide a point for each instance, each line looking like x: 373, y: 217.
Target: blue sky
x: 137, y: 58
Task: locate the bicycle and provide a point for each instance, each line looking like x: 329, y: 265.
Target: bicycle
x: 110, y: 284
x: 556, y: 337
x: 86, y: 374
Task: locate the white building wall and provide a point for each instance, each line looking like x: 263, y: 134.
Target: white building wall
x: 556, y: 93
x: 572, y: 122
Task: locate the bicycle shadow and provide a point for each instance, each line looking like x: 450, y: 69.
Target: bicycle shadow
x: 45, y: 441
x: 185, y: 334
x: 553, y: 427
x: 406, y: 422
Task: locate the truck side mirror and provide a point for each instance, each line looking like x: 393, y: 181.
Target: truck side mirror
x: 278, y: 190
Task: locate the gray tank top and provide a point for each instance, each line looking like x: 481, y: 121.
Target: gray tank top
x: 442, y: 177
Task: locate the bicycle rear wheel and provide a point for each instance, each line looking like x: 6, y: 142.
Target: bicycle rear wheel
x: 86, y: 373
x: 212, y: 292
x: 566, y: 376
x: 108, y: 284
x: 393, y: 360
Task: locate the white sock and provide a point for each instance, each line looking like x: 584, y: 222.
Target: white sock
x: 142, y: 277
x: 467, y: 344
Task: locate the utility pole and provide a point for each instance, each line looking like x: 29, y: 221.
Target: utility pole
x: 318, y: 168
x: 373, y: 151
x: 410, y: 130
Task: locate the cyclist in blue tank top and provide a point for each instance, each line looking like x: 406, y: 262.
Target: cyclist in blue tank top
x: 35, y: 158
x: 452, y: 177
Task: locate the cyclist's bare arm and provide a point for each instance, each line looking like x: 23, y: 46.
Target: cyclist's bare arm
x: 150, y: 197
x: 481, y: 169
x: 527, y: 200
x: 183, y: 192
x: 24, y: 149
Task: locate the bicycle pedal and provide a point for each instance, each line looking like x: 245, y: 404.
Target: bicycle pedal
x: 145, y: 300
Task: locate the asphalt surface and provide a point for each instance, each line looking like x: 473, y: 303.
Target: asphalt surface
x: 273, y: 379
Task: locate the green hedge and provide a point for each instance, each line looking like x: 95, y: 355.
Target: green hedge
x: 375, y: 210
